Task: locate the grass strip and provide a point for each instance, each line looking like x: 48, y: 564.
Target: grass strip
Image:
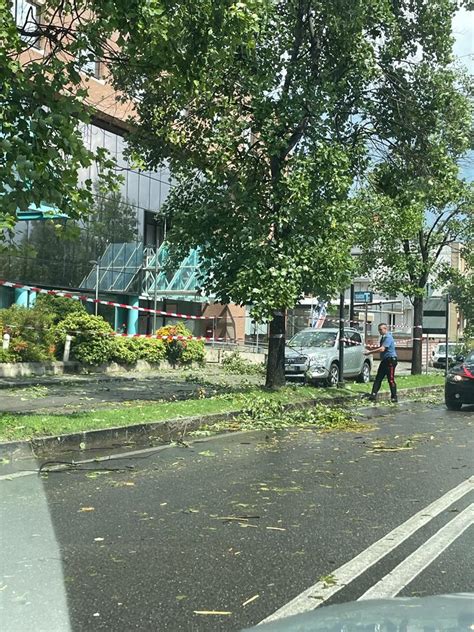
x: 14, y: 426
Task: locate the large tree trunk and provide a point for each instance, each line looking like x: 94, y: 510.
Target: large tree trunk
x: 276, y: 351
x: 417, y: 361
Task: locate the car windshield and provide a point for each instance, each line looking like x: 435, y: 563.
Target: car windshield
x: 470, y: 357
x: 442, y: 348
x: 313, y: 339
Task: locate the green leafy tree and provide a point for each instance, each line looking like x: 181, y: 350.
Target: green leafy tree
x: 42, y: 106
x: 460, y: 286
x: 416, y: 201
x: 266, y: 137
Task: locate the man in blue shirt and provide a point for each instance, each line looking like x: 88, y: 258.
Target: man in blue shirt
x: 388, y: 363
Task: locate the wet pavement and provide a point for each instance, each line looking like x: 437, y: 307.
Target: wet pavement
x: 165, y: 539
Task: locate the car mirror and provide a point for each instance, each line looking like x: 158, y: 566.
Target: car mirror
x: 459, y: 358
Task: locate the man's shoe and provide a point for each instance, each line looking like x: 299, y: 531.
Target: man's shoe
x: 372, y: 398
x: 394, y: 400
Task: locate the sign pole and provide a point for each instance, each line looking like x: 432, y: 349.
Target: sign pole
x: 352, y: 308
x: 447, y: 336
x: 340, y: 383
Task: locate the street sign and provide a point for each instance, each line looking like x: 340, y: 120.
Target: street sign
x: 363, y: 297
x: 434, y: 316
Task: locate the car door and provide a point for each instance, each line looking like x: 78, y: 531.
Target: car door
x: 352, y: 353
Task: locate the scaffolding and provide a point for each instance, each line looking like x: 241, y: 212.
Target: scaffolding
x: 131, y: 268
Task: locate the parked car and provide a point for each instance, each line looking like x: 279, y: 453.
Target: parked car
x: 438, y: 355
x: 459, y: 386
x: 313, y: 355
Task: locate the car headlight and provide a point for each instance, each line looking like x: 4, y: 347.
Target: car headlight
x: 454, y: 377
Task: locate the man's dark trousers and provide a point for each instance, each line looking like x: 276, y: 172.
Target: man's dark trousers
x: 386, y: 369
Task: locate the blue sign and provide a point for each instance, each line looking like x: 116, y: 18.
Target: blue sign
x: 363, y: 297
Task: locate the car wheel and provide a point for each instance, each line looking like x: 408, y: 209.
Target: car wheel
x: 452, y: 404
x: 333, y: 377
x: 364, y: 375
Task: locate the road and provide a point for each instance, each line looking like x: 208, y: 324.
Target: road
x: 248, y: 525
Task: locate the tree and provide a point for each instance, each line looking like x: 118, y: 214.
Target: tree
x: 415, y: 202
x: 402, y: 246
x: 460, y: 286
x: 42, y: 106
x: 266, y: 138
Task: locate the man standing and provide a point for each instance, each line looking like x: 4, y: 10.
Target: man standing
x: 388, y: 363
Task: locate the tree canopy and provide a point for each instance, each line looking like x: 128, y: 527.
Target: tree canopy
x: 42, y: 108
x: 267, y: 139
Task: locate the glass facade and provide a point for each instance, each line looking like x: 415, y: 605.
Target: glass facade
x: 60, y: 253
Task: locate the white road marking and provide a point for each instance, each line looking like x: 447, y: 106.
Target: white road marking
x: 320, y: 592
x: 414, y: 564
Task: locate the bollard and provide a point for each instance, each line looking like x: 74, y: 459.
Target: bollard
x: 67, y: 348
x: 6, y: 342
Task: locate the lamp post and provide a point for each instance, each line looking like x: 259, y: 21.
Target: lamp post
x: 446, y: 368
x: 340, y: 383
x: 97, y: 279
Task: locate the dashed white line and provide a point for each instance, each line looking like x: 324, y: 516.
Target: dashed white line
x: 320, y: 592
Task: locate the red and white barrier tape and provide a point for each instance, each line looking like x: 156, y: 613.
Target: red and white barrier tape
x: 148, y: 310
x: 117, y: 334
x: 88, y: 299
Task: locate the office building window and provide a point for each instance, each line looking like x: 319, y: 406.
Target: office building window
x: 90, y: 66
x: 27, y: 18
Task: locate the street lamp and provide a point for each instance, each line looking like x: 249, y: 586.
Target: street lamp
x: 97, y: 278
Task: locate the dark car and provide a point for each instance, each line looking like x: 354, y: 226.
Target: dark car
x: 459, y: 387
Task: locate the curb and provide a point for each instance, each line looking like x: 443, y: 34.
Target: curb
x: 164, y: 431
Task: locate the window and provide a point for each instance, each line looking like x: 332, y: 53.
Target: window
x: 27, y: 18
x: 352, y: 339
x: 90, y: 66
x: 391, y: 320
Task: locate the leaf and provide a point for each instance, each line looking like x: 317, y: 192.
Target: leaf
x: 207, y: 453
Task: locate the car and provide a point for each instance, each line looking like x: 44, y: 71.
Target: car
x: 459, y: 385
x: 313, y: 355
x: 438, y: 355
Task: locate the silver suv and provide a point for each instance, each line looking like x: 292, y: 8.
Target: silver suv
x: 313, y: 354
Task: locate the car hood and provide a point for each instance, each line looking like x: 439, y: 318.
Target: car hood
x: 292, y: 352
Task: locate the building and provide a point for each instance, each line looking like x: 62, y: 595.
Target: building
x: 119, y: 253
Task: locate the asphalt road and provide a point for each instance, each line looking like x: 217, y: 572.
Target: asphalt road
x: 242, y: 525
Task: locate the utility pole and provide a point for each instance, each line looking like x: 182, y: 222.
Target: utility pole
x: 447, y: 335
x: 97, y: 280
x: 352, y: 320
x: 340, y: 383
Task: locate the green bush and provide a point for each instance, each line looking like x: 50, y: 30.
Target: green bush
x: 193, y: 351
x: 129, y: 350
x: 7, y: 356
x: 58, y: 307
x: 124, y: 350
x: 31, y: 337
x: 92, y: 343
x: 151, y: 350
x: 177, y: 350
x: 234, y: 363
